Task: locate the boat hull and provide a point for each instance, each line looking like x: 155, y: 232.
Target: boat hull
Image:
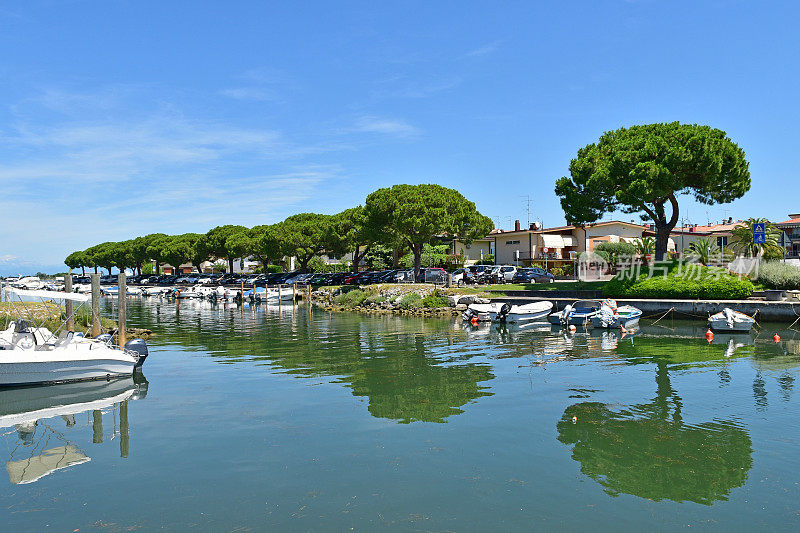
x: 33, y: 372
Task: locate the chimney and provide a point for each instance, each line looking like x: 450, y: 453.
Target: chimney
x: 533, y: 226
x: 517, y: 227
x: 692, y: 229
x: 730, y: 220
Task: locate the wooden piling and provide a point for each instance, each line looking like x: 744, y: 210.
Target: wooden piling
x: 122, y: 301
x: 280, y: 295
x: 95, y: 305
x: 68, y: 309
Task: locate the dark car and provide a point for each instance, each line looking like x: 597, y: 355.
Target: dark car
x: 533, y: 275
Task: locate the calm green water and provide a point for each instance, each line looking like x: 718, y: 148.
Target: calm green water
x: 290, y: 420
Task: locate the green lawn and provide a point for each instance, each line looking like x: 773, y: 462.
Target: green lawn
x: 555, y: 286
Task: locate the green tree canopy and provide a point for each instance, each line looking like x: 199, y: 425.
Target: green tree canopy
x: 303, y: 236
x: 217, y: 239
x: 186, y: 248
x: 351, y: 233
x: 78, y: 259
x: 644, y: 168
x: 417, y: 214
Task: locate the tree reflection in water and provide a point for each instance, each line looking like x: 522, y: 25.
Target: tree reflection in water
x: 648, y: 451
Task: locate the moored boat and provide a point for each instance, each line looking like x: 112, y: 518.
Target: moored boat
x: 32, y: 354
x: 730, y: 320
x: 516, y: 314
x: 613, y: 316
x: 578, y: 314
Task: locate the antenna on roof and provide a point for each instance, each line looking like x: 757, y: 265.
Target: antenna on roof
x: 528, y: 207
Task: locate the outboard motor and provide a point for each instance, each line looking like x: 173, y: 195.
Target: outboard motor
x: 140, y: 347
x: 22, y: 326
x: 106, y: 338
x: 567, y: 314
x: 468, y: 314
x: 503, y: 314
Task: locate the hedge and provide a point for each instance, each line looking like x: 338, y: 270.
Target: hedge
x: 693, y: 283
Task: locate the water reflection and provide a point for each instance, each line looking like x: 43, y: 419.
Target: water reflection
x: 42, y: 420
x: 647, y: 450
x: 409, y: 369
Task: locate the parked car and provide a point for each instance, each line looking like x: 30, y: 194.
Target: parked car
x: 432, y: 275
x: 533, y: 275
x: 477, y: 274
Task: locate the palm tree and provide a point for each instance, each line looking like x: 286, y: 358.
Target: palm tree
x: 645, y: 246
x: 743, y: 242
x: 703, y: 249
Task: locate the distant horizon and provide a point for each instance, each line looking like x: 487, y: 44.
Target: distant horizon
x: 123, y: 120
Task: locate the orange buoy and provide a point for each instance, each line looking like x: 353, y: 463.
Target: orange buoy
x: 709, y: 335
x: 474, y: 321
x: 776, y: 338
x: 573, y: 328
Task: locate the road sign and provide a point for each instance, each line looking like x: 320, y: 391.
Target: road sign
x: 545, y: 250
x: 759, y: 233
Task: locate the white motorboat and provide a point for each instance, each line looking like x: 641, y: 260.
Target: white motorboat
x: 274, y: 294
x: 613, y: 316
x: 32, y: 354
x: 156, y: 291
x: 110, y: 291
x: 480, y: 312
x: 730, y: 320
x: 518, y: 314
x: 578, y: 314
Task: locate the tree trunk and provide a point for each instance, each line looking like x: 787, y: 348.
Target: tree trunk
x: 663, y: 226
x: 662, y: 240
x: 95, y: 269
x: 396, y: 257
x: 83, y: 270
x: 417, y: 249
x: 356, y: 258
x: 230, y: 264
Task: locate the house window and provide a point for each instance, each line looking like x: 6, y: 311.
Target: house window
x: 512, y: 242
x: 722, y: 241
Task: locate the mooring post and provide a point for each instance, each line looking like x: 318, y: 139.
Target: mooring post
x: 68, y: 303
x: 122, y: 300
x: 280, y: 295
x: 95, y: 305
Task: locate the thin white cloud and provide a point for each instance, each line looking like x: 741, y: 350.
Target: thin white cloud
x: 484, y: 50
x: 386, y: 126
x: 249, y: 93
x: 123, y: 171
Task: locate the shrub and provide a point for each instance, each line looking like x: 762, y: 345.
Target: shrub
x: 352, y: 298
x: 436, y: 299
x: 615, y: 250
x: 557, y: 271
x: 411, y: 300
x: 695, y: 282
x: 374, y: 299
x: 274, y: 269
x: 777, y: 275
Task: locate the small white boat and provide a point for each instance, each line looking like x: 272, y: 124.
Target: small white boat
x: 730, y: 320
x: 518, y: 314
x: 578, y: 314
x: 32, y: 354
x: 481, y: 312
x: 110, y: 291
x: 612, y: 316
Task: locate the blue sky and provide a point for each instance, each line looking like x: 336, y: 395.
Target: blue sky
x: 119, y: 119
